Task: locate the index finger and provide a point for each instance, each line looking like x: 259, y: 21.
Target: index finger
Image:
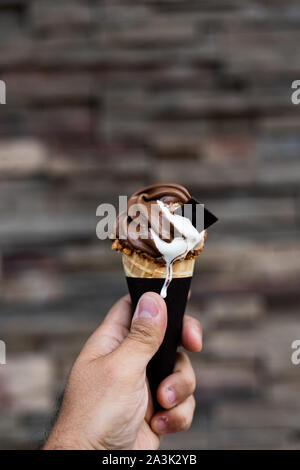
x: 191, y: 336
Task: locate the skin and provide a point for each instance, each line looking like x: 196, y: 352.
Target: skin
x: 107, y: 404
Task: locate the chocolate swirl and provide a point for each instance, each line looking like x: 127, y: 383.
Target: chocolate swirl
x: 148, y: 217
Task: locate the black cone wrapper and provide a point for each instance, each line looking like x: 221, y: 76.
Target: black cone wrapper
x: 162, y: 364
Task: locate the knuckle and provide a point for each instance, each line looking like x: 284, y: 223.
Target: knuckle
x: 191, y: 383
x: 185, y: 423
x: 142, y: 333
x: 185, y: 419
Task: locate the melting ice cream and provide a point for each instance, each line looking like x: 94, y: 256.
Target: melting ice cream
x: 188, y: 238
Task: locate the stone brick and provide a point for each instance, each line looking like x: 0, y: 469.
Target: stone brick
x: 64, y: 121
x: 233, y: 310
x: 233, y: 346
x: 274, y: 260
x: 35, y: 228
x: 280, y: 124
x: 22, y: 157
x: 279, y: 51
x: 11, y: 20
x: 27, y: 383
x: 216, y: 380
x: 77, y: 258
x: 257, y: 414
x: 30, y: 279
x: 49, y: 88
x: 158, y: 30
x: 46, y: 17
x: 208, y: 174
x: 228, y: 148
x: 258, y: 211
x: 247, y: 438
x: 285, y: 392
x: 16, y: 52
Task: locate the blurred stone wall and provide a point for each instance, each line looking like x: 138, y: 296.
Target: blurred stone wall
x: 102, y: 98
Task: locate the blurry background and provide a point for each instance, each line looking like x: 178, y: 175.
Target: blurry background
x: 104, y: 97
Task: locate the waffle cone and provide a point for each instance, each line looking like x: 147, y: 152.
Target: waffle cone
x: 138, y: 266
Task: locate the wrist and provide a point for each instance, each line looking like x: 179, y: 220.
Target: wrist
x: 62, y: 440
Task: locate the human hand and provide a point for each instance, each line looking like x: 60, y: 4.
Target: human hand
x: 107, y: 403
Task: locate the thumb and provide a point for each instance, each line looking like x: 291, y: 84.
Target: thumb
x: 147, y: 332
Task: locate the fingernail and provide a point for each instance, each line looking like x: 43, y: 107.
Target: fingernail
x: 171, y: 395
x: 162, y: 424
x: 147, y: 308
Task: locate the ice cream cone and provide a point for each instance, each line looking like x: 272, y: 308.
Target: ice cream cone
x: 140, y: 267
x: 164, y: 265
x: 144, y: 275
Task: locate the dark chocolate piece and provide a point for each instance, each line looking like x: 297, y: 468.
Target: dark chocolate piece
x: 200, y: 217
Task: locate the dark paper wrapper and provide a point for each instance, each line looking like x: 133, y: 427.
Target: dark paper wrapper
x: 162, y: 364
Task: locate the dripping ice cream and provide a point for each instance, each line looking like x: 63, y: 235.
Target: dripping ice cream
x: 155, y: 241
x: 179, y: 246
